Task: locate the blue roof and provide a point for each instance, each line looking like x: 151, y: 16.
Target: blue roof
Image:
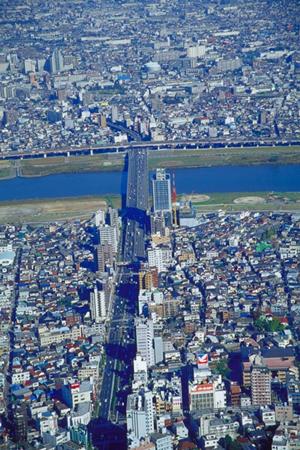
x: 123, y: 77
x: 15, y: 387
x: 244, y: 314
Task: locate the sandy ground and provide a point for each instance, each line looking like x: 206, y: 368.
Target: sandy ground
x: 49, y: 210
x: 198, y: 198
x: 249, y: 200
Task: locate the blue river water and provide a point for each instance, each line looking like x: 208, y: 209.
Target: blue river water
x: 285, y: 178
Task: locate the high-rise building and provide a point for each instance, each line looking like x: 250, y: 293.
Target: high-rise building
x: 159, y: 257
x: 99, y: 218
x: 235, y: 394
x: 103, y: 122
x: 139, y: 417
x: 260, y: 385
x: 113, y: 219
x: 201, y: 396
x: 140, y: 370
x: 56, y: 62
x: 158, y: 349
x: 114, y: 113
x: 29, y: 65
x: 197, y: 51
x: 97, y: 305
x: 293, y: 393
x: 144, y: 339
x: 105, y: 256
x: 161, y: 189
x: 144, y: 298
x: 20, y: 422
x: 148, y: 278
x: 109, y: 235
x: 155, y: 259
x: 10, y: 117
x: 207, y: 393
x: 158, y: 223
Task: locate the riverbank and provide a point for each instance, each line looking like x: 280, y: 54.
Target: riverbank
x: 39, y: 167
x: 7, y: 170
x: 48, y: 210
x: 246, y: 201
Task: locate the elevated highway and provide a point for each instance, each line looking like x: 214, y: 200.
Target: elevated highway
x: 118, y: 356
x: 146, y: 145
x: 134, y: 219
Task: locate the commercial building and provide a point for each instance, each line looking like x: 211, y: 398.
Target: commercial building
x: 161, y: 190
x: 144, y: 339
x: 207, y: 394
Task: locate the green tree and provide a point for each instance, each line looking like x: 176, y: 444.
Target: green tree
x: 222, y: 368
x: 235, y: 446
x: 264, y: 324
x: 231, y: 444
x: 227, y: 441
x: 275, y: 325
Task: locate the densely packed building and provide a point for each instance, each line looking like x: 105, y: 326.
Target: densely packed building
x: 217, y: 336
x: 54, y: 304
x: 216, y: 333
x: 77, y: 74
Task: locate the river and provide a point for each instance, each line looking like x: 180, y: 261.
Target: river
x: 285, y: 178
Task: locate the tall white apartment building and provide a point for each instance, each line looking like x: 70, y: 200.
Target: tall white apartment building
x: 109, y: 235
x: 98, y: 305
x: 139, y: 417
x: 144, y: 339
x: 159, y: 257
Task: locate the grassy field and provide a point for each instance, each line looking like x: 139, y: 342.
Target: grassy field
x: 250, y: 201
x: 163, y: 158
x: 48, y: 210
x: 229, y: 156
x: 74, y: 164
x: 6, y: 170
x: 229, y: 197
